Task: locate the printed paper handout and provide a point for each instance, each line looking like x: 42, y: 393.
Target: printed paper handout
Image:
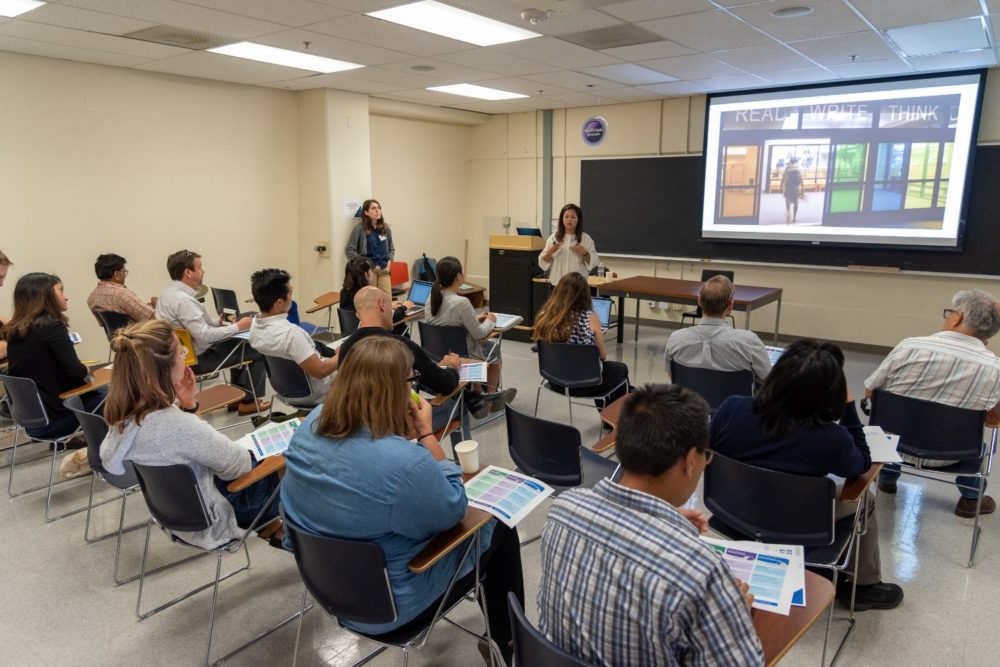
x: 475, y: 372
x: 775, y: 572
x: 270, y: 439
x: 507, y: 495
x: 882, y: 445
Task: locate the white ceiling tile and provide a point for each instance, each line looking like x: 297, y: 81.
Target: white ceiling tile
x: 398, y: 80
x: 664, y: 49
x: 490, y: 60
x: 205, y: 65
x: 757, y: 59
x: 677, y: 88
x: 707, y: 31
x: 952, y: 36
x: 629, y: 74
x: 884, y: 14
x: 88, y: 40
x: 866, y: 46
x: 579, y: 99
x: 557, y: 52
x: 383, y: 33
x: 30, y: 47
x: 827, y: 18
x: 746, y: 81
x: 443, y: 71
x: 872, y: 68
x: 84, y: 19
x: 336, y: 82
x: 579, y: 21
x: 361, y: 6
x: 698, y: 66
x: 572, y: 80
x: 331, y: 47
x: 523, y: 86
x: 498, y: 107
x: 630, y: 94
x: 432, y: 97
x: 286, y: 12
x: 645, y: 10
x: 981, y: 58
x: 179, y: 14
x: 791, y: 77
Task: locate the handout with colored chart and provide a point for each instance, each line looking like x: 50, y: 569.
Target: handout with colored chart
x: 507, y: 495
x: 475, y: 372
x: 270, y: 439
x: 774, y: 572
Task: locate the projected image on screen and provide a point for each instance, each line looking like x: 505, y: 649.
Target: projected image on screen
x: 866, y: 163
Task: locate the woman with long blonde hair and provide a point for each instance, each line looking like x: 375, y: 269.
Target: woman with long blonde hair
x: 149, y: 409
x: 567, y: 318
x: 352, y: 471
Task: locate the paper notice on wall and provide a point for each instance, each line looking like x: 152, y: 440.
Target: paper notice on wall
x: 351, y: 207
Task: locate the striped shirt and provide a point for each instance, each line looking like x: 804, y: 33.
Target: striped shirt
x: 627, y: 581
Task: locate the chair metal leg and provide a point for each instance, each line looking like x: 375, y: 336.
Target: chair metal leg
x: 975, y: 525
x: 538, y: 393
x: 569, y: 402
x: 215, y: 600
x: 298, y: 632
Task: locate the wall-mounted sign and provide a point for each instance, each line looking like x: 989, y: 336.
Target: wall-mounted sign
x: 594, y: 131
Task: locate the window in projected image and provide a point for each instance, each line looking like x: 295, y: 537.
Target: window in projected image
x: 854, y: 163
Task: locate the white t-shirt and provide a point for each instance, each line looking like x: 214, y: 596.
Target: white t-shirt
x: 275, y: 336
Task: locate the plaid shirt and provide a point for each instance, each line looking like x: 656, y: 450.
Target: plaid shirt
x: 627, y: 581
x: 117, y: 298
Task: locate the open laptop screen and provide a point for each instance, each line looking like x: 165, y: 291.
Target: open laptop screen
x: 420, y: 291
x: 602, y: 307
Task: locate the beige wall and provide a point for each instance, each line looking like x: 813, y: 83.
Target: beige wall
x: 98, y: 159
x: 869, y: 308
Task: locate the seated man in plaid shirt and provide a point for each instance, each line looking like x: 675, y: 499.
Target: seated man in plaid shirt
x: 625, y: 578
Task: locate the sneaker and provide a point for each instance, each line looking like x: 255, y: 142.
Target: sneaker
x: 887, y: 487
x: 966, y: 507
x: 500, y: 398
x: 873, y: 596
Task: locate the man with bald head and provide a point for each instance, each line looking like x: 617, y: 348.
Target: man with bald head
x: 712, y: 343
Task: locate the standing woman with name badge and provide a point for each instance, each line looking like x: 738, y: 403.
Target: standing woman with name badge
x: 569, y: 249
x: 372, y: 238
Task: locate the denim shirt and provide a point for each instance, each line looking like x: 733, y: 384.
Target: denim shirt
x: 390, y: 491
x: 378, y: 249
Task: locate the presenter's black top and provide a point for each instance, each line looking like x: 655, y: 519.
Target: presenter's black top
x: 437, y: 379
x: 46, y: 355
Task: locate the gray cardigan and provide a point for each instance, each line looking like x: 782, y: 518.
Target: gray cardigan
x: 170, y: 437
x: 458, y: 311
x: 357, y: 244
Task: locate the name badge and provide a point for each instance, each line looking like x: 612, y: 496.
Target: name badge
x: 381, y: 237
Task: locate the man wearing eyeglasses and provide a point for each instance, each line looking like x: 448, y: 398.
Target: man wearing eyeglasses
x: 213, y: 339
x: 111, y: 295
x: 953, y: 367
x: 625, y: 578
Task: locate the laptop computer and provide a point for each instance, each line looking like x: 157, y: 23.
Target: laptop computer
x: 602, y: 307
x: 420, y: 291
x: 774, y: 353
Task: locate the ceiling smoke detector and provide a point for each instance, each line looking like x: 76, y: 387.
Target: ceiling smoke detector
x: 534, y: 16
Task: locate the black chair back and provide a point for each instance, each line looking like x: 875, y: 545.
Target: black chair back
x: 530, y: 646
x: 348, y: 321
x: 287, y: 377
x: 544, y: 449
x: 26, y: 405
x: 714, y: 386
x: 347, y: 578
x: 94, y: 431
x: 929, y: 430
x: 570, y: 365
x: 111, y: 322
x: 771, y: 506
x: 226, y: 298
x: 441, y: 340
x: 173, y: 497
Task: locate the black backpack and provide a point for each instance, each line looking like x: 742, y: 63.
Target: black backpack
x: 425, y: 268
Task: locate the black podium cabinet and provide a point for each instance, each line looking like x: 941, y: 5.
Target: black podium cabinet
x: 512, y: 289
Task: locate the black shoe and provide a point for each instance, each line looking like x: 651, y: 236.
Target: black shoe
x: 501, y: 398
x: 873, y: 596
x: 887, y: 487
x: 478, y: 406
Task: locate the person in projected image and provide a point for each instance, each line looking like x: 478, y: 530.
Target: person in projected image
x: 791, y: 188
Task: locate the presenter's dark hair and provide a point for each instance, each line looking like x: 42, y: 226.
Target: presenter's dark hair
x: 107, y: 265
x: 179, y: 262
x: 806, y: 387
x: 34, y: 302
x: 561, y: 231
x: 269, y: 285
x: 356, y: 274
x: 448, y: 269
x: 659, y: 425
x: 368, y: 223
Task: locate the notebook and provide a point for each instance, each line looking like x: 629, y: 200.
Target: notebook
x: 602, y: 307
x: 505, y: 322
x: 420, y: 291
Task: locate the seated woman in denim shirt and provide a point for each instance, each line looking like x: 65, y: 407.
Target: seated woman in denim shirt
x: 352, y: 472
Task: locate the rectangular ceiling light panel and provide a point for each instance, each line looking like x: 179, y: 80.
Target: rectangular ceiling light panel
x: 276, y: 56
x: 12, y: 8
x: 454, y: 23
x: 480, y: 92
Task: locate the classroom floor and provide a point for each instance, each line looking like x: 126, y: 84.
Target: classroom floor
x: 60, y: 607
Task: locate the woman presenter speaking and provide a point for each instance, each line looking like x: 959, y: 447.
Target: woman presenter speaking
x: 569, y: 249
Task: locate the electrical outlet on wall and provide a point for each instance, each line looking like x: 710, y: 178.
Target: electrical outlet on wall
x: 322, y: 248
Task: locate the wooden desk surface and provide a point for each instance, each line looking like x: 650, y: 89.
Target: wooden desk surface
x: 610, y: 415
x: 779, y: 633
x: 444, y: 542
x: 102, y: 378
x: 675, y: 288
x: 323, y: 301
x: 855, y: 487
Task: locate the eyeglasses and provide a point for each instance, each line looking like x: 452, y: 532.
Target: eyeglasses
x: 708, y: 454
x: 413, y: 378
x: 124, y: 272
x: 948, y: 311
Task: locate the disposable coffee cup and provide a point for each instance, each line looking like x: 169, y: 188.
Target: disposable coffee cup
x: 468, y: 456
